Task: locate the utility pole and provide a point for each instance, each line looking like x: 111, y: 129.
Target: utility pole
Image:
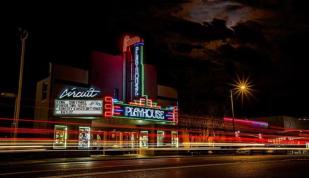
x: 232, y: 105
x: 23, y: 38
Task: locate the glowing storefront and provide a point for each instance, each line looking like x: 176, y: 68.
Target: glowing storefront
x: 111, y: 105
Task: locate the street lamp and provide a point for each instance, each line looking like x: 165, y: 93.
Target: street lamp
x: 242, y: 87
x: 23, y: 38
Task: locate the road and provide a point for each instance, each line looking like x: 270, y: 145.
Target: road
x: 258, y: 166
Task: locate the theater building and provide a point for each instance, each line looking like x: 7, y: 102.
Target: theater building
x: 116, y: 103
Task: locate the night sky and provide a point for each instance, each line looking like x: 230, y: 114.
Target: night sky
x: 198, y: 46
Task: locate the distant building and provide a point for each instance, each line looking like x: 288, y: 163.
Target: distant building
x: 284, y: 122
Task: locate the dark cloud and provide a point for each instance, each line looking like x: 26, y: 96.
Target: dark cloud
x: 198, y: 46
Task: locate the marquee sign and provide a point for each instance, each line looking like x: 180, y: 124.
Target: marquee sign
x: 87, y: 102
x: 140, y: 112
x: 74, y: 101
x: 78, y: 107
x: 143, y: 109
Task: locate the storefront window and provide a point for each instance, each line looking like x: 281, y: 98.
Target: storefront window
x: 160, y: 138
x: 174, y: 139
x: 84, y: 138
x: 115, y: 139
x: 97, y: 141
x: 143, y: 139
x: 134, y: 140
x: 60, y: 137
x: 130, y: 139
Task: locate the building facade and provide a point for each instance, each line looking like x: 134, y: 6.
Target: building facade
x: 116, y: 103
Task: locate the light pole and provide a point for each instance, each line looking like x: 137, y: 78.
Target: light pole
x: 23, y: 38
x: 232, y: 105
x: 242, y: 87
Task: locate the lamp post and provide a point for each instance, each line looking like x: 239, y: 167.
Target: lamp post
x: 242, y: 88
x: 23, y: 38
x: 232, y: 105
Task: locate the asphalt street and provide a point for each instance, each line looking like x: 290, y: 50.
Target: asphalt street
x: 258, y: 166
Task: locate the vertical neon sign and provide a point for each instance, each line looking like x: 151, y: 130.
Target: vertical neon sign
x: 138, y: 70
x: 142, y: 68
x: 175, y: 114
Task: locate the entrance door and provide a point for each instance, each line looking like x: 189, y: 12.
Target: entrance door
x: 98, y: 139
x: 174, y: 135
x: 134, y: 140
x: 160, y: 138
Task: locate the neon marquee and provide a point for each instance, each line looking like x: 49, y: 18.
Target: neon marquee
x: 143, y: 108
x: 78, y: 101
x: 139, y: 112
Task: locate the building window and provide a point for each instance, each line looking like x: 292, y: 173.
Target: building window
x: 143, y: 139
x: 160, y: 138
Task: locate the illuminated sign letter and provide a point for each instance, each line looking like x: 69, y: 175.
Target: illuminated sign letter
x: 79, y: 93
x: 128, y: 111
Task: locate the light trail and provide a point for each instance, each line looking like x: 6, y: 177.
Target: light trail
x: 189, y: 139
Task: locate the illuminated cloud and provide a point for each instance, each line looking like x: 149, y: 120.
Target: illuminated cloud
x: 202, y: 11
